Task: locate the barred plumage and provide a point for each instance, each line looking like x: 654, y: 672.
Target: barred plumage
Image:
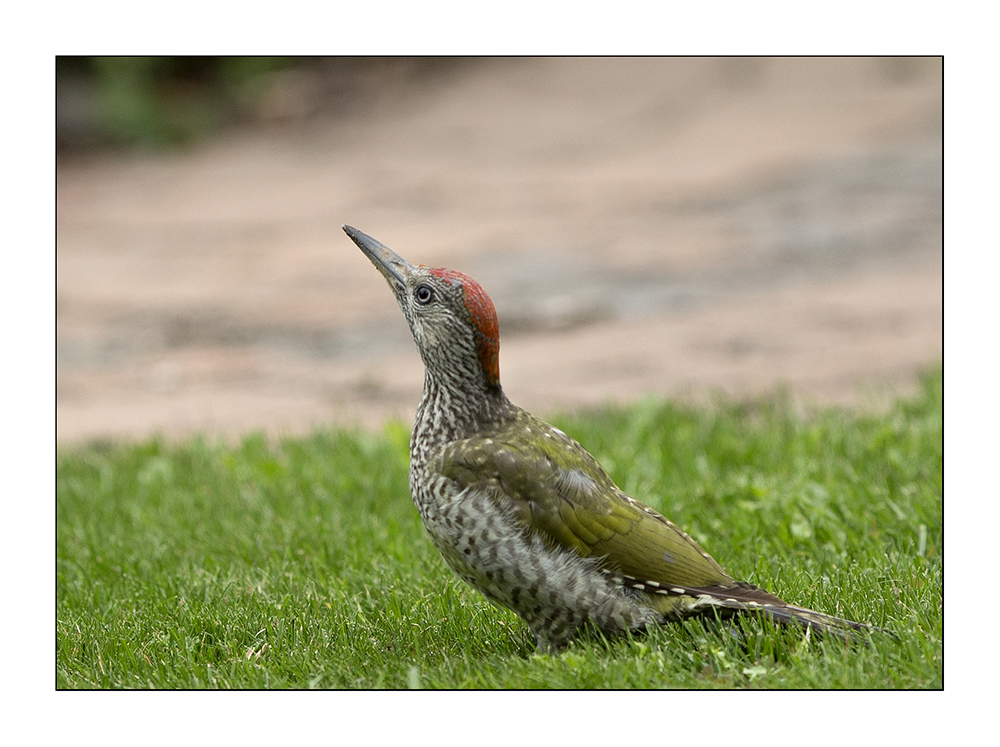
x: 524, y: 513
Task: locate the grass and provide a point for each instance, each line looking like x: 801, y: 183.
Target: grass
x: 303, y: 563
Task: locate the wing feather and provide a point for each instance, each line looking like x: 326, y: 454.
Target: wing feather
x: 554, y: 487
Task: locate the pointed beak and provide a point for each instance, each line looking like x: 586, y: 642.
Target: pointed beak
x: 391, y: 265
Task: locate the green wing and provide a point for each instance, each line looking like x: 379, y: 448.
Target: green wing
x: 553, y: 486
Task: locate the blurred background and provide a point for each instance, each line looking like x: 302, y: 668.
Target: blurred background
x: 665, y: 226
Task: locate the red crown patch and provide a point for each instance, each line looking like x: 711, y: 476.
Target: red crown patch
x: 484, y: 317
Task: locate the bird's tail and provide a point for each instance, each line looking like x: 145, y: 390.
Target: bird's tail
x: 678, y: 602
x: 820, y: 622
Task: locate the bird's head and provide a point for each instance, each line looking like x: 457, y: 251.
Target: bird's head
x: 452, y: 319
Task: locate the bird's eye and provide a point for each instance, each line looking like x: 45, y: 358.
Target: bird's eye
x: 424, y: 294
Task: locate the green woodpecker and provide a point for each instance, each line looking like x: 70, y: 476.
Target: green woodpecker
x: 524, y: 513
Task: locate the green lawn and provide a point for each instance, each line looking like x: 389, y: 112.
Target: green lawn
x: 304, y: 564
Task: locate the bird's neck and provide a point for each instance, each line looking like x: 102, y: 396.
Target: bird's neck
x: 448, y: 412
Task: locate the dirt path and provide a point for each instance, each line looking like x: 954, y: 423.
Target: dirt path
x: 644, y: 226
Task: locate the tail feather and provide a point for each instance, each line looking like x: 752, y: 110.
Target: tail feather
x: 821, y: 622
x: 677, y: 602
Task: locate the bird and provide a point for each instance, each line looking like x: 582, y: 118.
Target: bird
x: 526, y: 515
